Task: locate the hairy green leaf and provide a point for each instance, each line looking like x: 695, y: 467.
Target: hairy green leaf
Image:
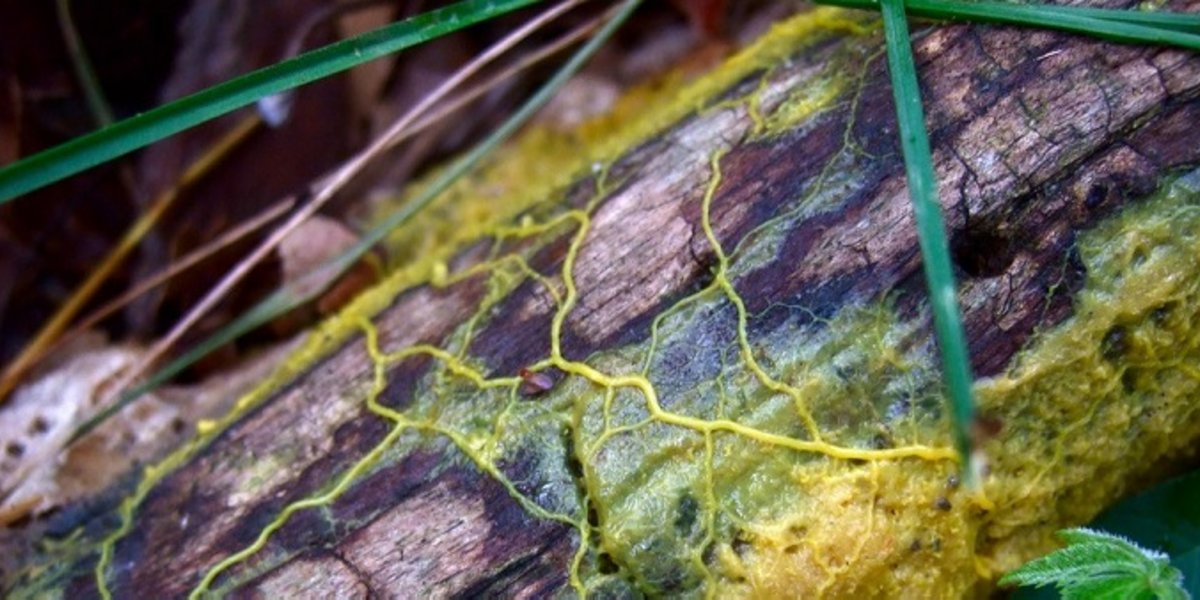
x: 1165, y: 517
x: 1096, y: 564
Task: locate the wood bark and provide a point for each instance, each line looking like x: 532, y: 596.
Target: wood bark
x: 1037, y: 137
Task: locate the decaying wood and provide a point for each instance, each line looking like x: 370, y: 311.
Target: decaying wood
x: 1037, y: 136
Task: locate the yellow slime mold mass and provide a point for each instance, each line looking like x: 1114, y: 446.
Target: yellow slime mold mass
x: 1096, y: 403
x: 1090, y: 407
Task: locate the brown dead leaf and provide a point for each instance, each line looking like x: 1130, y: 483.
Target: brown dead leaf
x: 38, y: 472
x: 307, y: 248
x: 303, y: 254
x: 36, y: 424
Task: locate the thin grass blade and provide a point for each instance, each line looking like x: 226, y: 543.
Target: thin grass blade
x: 84, y: 72
x: 931, y: 232
x: 126, y: 136
x: 1125, y: 26
x: 1185, y: 22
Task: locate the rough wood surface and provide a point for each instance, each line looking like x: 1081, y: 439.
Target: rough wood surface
x: 1037, y: 136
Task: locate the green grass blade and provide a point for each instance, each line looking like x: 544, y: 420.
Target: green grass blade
x: 286, y: 298
x: 1126, y: 26
x: 85, y: 74
x: 935, y: 252
x: 126, y: 136
x: 1116, y: 27
x: 1185, y: 22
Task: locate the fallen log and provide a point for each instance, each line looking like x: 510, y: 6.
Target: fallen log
x: 699, y: 359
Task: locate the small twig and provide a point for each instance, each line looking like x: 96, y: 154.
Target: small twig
x: 505, y: 76
x: 457, y: 102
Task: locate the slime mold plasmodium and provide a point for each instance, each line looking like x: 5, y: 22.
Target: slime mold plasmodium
x: 698, y: 473
x: 717, y: 455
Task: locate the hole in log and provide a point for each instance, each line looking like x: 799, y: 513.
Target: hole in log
x: 982, y: 252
